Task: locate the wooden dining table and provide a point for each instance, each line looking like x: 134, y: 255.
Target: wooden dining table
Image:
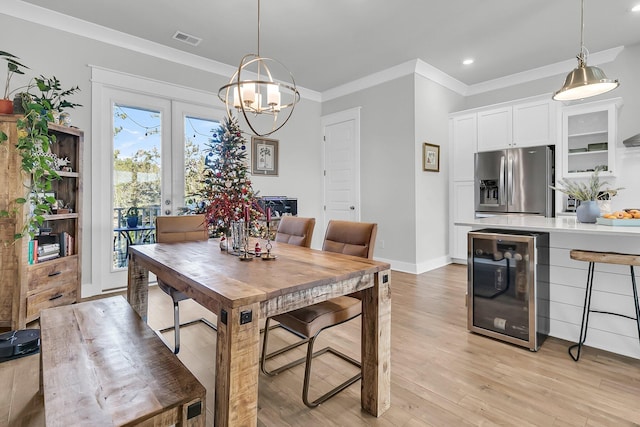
x: 241, y: 293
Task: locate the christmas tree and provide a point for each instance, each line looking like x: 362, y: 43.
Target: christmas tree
x: 227, y: 192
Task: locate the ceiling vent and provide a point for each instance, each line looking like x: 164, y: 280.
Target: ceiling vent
x: 186, y: 38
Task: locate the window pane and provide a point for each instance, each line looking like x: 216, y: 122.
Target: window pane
x: 136, y: 177
x: 197, y: 132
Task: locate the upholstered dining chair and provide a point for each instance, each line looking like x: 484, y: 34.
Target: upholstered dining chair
x: 295, y: 230
x: 173, y: 229
x: 351, y: 238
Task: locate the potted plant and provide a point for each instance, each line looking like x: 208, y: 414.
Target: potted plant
x: 52, y: 96
x: 587, y: 194
x: 13, y: 67
x: 132, y: 216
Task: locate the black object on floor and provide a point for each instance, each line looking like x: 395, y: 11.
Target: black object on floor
x: 15, y: 344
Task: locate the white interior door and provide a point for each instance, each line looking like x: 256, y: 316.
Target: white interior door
x: 342, y: 166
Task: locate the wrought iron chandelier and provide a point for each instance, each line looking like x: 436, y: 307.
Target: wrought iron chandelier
x: 584, y: 81
x: 254, y: 92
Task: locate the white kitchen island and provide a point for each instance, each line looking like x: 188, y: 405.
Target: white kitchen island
x: 612, y: 283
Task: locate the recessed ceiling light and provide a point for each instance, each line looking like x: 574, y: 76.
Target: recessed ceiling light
x: 468, y: 61
x: 636, y: 8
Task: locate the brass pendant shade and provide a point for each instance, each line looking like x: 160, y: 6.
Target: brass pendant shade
x: 584, y: 81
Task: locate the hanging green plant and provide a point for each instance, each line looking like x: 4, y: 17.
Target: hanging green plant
x: 34, y: 145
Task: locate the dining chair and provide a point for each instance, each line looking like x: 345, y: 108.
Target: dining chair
x: 347, y: 237
x: 295, y: 230
x: 173, y: 229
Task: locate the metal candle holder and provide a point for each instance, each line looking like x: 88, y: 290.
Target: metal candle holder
x: 246, y: 256
x: 268, y: 256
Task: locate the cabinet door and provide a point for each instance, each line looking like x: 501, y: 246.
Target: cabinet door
x: 589, y: 136
x: 533, y: 124
x: 495, y: 129
x: 464, y: 141
x: 462, y: 210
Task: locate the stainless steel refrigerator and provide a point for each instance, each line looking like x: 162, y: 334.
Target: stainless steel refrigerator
x: 515, y: 180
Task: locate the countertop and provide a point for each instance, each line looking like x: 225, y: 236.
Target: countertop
x: 564, y: 224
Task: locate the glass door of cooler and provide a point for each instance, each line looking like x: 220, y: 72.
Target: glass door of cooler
x: 502, y: 291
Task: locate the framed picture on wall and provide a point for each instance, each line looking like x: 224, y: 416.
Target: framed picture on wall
x: 264, y: 156
x: 430, y: 157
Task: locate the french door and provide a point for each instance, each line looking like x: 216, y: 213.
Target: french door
x: 154, y: 151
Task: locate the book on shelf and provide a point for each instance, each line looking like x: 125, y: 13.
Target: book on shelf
x: 42, y: 258
x: 48, y: 249
x: 33, y: 251
x: 66, y: 244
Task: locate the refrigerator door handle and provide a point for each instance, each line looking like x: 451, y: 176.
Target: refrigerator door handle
x: 501, y: 193
x: 510, y: 180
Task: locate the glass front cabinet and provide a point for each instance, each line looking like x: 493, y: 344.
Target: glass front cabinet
x: 589, y: 136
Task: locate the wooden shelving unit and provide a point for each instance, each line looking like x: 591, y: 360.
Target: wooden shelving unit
x: 26, y: 289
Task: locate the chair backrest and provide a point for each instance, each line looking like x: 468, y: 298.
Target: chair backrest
x: 295, y: 230
x: 181, y: 228
x: 351, y: 238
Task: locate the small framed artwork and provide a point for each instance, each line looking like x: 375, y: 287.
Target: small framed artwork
x: 264, y: 156
x: 430, y: 157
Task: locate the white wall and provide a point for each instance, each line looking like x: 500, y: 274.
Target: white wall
x: 409, y: 205
x: 53, y: 52
x: 387, y: 145
x: 433, y: 103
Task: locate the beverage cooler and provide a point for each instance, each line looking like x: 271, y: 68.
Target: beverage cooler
x: 508, y: 286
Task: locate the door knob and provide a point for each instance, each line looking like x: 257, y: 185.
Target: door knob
x: 167, y: 212
x: 167, y: 202
x: 352, y: 208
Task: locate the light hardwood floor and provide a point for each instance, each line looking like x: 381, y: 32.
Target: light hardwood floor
x: 441, y: 375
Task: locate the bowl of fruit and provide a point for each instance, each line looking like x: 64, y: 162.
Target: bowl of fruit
x: 625, y: 217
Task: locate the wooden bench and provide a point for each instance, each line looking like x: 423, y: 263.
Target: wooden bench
x: 103, y: 366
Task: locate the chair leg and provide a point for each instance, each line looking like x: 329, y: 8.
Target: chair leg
x: 585, y: 314
x: 176, y: 327
x: 264, y: 356
x: 307, y: 374
x: 635, y: 300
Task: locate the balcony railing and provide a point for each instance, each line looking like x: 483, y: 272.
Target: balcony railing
x: 122, y: 238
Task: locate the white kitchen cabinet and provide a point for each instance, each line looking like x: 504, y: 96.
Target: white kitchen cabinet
x: 534, y: 123
x: 521, y: 124
x: 589, y: 138
x: 464, y: 145
x: 495, y: 128
x: 462, y: 209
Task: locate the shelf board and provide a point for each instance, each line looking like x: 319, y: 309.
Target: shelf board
x: 57, y: 217
x: 65, y: 129
x: 582, y: 153
x: 586, y: 174
x: 579, y: 135
x: 68, y: 174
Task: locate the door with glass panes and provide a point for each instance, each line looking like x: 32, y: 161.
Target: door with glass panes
x: 158, y: 153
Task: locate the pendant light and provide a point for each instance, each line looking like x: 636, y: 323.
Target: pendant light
x: 584, y: 81
x: 265, y: 103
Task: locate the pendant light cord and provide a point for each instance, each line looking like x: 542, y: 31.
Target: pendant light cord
x: 582, y: 57
x: 259, y: 27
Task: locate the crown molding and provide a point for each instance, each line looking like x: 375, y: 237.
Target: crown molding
x: 59, y: 21
x: 551, y: 70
